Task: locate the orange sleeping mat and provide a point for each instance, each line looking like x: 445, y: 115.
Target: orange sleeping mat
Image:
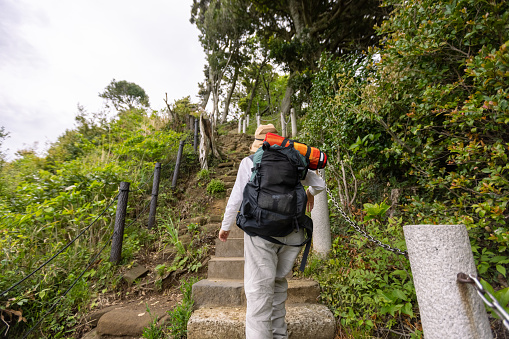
x: 317, y: 159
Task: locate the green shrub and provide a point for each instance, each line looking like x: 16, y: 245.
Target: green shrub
x: 49, y: 204
x: 203, y: 175
x: 215, y: 187
x: 426, y: 113
x: 180, y: 315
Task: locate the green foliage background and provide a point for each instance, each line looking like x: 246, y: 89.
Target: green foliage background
x: 416, y: 132
x: 47, y: 201
x: 424, y: 117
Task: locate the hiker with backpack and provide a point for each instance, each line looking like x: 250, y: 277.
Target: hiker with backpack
x: 268, y: 202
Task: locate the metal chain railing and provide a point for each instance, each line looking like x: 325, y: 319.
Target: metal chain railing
x: 90, y: 263
x: 360, y: 230
x: 493, y: 304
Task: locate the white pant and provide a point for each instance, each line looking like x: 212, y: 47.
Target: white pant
x: 265, y: 269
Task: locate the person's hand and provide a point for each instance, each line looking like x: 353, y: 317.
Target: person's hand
x: 223, y: 235
x: 311, y: 201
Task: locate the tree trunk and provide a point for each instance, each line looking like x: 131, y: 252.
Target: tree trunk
x: 294, y: 122
x: 286, y: 103
x: 206, y: 97
x: 229, y: 96
x: 204, y: 144
x: 283, y: 125
x: 296, y: 12
x: 255, y: 87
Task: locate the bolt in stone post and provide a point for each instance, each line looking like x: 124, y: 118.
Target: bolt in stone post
x: 118, y: 231
x: 155, y: 192
x: 177, y: 165
x: 449, y: 309
x: 321, y: 223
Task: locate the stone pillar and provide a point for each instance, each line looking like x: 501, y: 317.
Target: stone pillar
x: 448, y: 309
x: 240, y: 125
x: 257, y: 121
x: 321, y: 223
x: 243, y: 125
x: 247, y: 120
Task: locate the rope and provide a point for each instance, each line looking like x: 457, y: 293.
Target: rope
x: 143, y: 211
x: 67, y: 291
x: 267, y: 120
x: 81, y: 275
x: 143, y: 184
x: 60, y: 251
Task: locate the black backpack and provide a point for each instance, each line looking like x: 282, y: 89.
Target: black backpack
x: 274, y: 201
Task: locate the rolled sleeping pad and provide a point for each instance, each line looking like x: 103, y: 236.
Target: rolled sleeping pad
x: 317, y: 159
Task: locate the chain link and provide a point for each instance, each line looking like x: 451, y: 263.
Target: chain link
x: 360, y: 230
x: 493, y: 304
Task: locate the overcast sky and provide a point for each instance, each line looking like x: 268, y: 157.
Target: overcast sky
x: 55, y: 54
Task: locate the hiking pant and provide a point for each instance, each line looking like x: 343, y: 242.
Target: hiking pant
x: 265, y: 269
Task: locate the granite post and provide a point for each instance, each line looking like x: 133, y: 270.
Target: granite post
x: 449, y: 309
x: 321, y: 223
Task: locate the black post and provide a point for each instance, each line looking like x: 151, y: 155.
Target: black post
x: 155, y: 192
x: 196, y: 122
x: 118, y: 232
x: 177, y: 165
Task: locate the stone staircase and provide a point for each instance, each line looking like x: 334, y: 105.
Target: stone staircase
x: 219, y: 300
x: 220, y: 303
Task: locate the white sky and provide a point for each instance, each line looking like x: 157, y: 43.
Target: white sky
x: 55, y: 54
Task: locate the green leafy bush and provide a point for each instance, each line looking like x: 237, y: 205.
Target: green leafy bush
x: 422, y: 121
x: 366, y: 286
x: 51, y: 200
x: 180, y: 315
x: 215, y: 187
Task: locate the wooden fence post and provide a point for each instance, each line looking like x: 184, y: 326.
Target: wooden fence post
x: 155, y: 192
x: 196, y: 122
x: 177, y: 165
x: 118, y: 232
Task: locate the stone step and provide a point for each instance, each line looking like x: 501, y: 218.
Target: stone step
x: 226, y: 268
x: 215, y: 293
x: 229, y: 184
x: 227, y: 178
x: 234, y: 247
x: 304, y: 321
x: 232, y: 172
x: 236, y: 232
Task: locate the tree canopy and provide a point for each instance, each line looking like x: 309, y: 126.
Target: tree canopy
x: 290, y: 33
x: 124, y: 95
